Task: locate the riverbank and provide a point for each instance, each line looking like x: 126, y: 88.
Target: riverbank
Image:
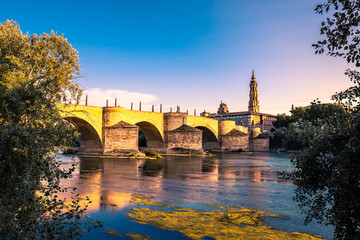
x: 146, y: 154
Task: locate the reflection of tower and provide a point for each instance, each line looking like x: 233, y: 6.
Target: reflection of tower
x: 152, y: 168
x: 210, y: 169
x: 253, y: 101
x: 96, y: 180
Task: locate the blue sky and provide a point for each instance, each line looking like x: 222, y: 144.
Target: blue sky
x: 191, y: 53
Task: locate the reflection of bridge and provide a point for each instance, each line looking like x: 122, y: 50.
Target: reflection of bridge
x: 106, y: 180
x: 110, y: 130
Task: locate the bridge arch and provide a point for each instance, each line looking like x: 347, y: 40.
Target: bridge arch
x: 209, y: 139
x: 207, y: 127
x: 90, y: 141
x: 152, y: 134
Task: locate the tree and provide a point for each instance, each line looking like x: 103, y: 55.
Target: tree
x: 292, y: 135
x: 327, y: 171
x: 36, y: 72
x: 341, y: 31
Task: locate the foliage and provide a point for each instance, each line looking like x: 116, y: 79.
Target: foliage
x: 35, y: 73
x: 153, y: 154
x: 351, y: 96
x: 327, y: 174
x: 283, y: 120
x: 327, y: 171
x: 341, y: 30
x: 292, y: 131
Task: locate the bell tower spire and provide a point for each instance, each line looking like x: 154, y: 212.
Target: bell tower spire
x: 253, y: 101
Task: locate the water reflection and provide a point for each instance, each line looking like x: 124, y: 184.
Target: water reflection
x: 152, y: 168
x: 242, y: 179
x: 210, y: 168
x: 106, y: 179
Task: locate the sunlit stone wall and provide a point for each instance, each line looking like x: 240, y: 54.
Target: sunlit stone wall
x: 174, y: 120
x: 211, y: 124
x: 113, y: 115
x: 226, y: 126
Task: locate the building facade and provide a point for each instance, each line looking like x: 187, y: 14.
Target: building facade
x: 251, y: 118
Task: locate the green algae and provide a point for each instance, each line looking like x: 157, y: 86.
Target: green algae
x: 222, y: 223
x: 138, y: 195
x: 112, y: 232
x: 142, y: 199
x: 134, y: 236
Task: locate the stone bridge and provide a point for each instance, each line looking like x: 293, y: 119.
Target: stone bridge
x: 114, y: 130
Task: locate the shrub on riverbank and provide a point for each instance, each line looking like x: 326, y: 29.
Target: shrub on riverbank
x: 153, y: 154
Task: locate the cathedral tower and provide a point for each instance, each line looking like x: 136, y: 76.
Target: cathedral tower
x: 253, y: 102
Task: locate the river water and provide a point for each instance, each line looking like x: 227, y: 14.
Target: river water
x: 249, y: 180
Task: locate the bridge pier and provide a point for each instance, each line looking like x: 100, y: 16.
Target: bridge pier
x: 89, y: 147
x: 178, y: 135
x: 184, y: 137
x: 120, y: 138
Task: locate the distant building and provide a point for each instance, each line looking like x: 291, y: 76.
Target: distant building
x: 223, y: 109
x: 252, y: 117
x: 205, y: 114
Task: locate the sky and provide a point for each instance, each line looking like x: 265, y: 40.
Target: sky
x: 191, y: 53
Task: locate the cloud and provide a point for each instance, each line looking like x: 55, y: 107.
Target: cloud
x: 98, y: 97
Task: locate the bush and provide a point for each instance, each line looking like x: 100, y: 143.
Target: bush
x: 153, y: 154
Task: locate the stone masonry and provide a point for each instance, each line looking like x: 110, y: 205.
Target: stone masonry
x: 113, y: 130
x: 234, y: 141
x: 184, y: 137
x: 120, y: 138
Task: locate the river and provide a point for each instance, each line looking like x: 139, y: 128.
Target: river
x: 249, y: 180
